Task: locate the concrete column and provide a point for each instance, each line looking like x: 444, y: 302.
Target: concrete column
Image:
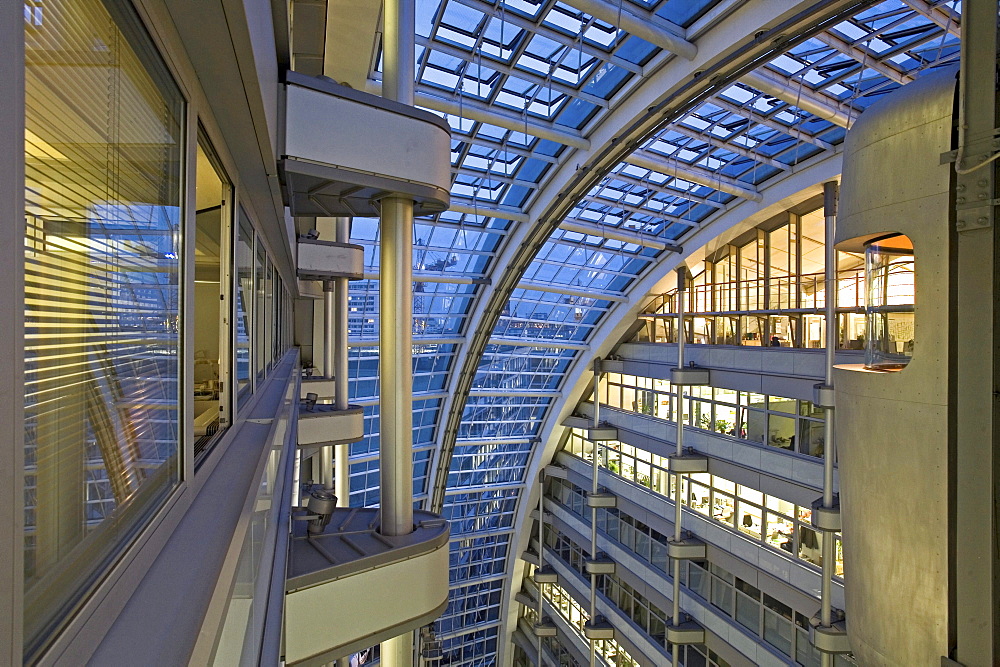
x: 975, y: 570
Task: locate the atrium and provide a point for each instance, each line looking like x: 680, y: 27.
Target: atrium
x: 514, y: 332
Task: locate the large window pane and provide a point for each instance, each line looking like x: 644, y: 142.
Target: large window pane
x: 210, y: 299
x: 103, y: 147
x: 260, y: 307
x: 244, y: 305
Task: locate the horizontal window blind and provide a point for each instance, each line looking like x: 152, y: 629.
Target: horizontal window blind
x: 103, y: 150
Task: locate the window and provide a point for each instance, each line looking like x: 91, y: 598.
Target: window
x: 211, y: 299
x: 260, y: 308
x: 104, y: 142
x: 244, y: 307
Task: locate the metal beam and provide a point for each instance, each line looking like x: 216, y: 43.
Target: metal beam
x: 870, y: 60
x: 617, y: 234
x: 508, y: 70
x: 757, y: 117
x: 942, y: 16
x: 516, y: 393
x: 801, y: 96
x: 569, y: 291
x: 662, y: 188
x: 549, y: 33
x: 436, y: 278
x: 477, y: 111
x: 490, y: 176
x: 417, y: 340
x: 715, y: 142
x: 504, y: 147
x: 490, y: 211
x: 680, y: 170
x: 631, y: 208
x: 642, y: 24
x: 535, y: 342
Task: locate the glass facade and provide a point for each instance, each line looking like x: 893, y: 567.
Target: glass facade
x: 784, y: 629
x: 774, y: 421
x: 772, y: 521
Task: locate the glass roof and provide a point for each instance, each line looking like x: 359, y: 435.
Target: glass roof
x: 536, y: 81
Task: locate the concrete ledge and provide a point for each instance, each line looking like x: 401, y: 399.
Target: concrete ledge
x: 324, y: 260
x: 389, y: 147
x: 827, y: 518
x: 558, y: 472
x: 687, y: 549
x: 602, y: 433
x: 690, y: 376
x: 325, y: 425
x: 688, y: 632
x: 824, y: 396
x: 832, y: 639
x: 310, y: 289
x: 604, y: 499
x: 600, y: 565
x: 351, y: 561
x: 598, y: 628
x: 688, y: 463
x: 546, y: 575
x: 545, y: 628
x: 321, y: 386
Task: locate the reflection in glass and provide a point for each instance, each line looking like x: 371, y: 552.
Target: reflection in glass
x: 210, y: 305
x: 103, y: 150
x: 244, y: 306
x: 889, y: 295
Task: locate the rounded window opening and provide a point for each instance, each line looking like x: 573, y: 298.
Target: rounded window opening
x: 889, y: 297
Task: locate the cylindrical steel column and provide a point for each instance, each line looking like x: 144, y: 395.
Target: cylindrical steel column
x: 828, y: 546
x: 396, y: 314
x: 396, y: 366
x: 398, y: 48
x: 541, y: 556
x: 679, y: 420
x: 329, y: 355
x: 595, y: 460
x: 342, y: 479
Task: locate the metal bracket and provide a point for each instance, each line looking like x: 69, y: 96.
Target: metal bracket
x: 975, y: 199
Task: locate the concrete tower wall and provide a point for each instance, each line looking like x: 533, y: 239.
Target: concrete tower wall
x: 892, y: 427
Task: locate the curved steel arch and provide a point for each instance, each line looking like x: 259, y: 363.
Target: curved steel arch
x: 788, y: 191
x: 795, y: 22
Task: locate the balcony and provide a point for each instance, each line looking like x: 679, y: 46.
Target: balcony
x: 324, y: 424
x: 344, y: 150
x: 349, y: 587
